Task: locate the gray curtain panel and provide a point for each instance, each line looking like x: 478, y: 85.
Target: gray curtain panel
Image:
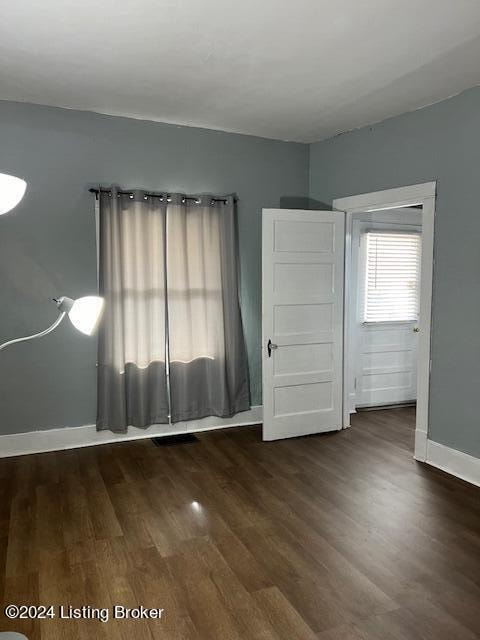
x: 169, y: 269
x: 131, y: 345
x: 208, y: 364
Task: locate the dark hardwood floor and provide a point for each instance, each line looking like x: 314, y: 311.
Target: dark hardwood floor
x: 333, y: 537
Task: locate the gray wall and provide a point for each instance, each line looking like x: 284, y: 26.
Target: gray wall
x: 442, y: 143
x: 47, y: 246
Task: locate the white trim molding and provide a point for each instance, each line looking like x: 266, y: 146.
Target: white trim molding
x: 417, y: 194
x: 455, y: 462
x: 420, y: 453
x: 388, y: 199
x: 20, y: 444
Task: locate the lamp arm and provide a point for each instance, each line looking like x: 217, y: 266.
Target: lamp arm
x: 36, y: 335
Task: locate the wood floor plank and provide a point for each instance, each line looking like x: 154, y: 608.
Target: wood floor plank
x: 286, y: 621
x: 331, y: 537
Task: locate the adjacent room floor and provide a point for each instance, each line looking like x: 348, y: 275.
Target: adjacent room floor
x: 331, y: 537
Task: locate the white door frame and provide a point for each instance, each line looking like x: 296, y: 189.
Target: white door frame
x: 418, y: 194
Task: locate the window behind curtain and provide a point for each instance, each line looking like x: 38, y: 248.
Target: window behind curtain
x: 392, y: 276
x: 168, y: 270
x: 194, y: 275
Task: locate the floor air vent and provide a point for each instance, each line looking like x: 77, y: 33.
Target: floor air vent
x: 180, y: 438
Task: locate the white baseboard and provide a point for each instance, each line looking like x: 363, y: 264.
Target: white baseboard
x: 455, y: 462
x: 438, y: 455
x: 19, y: 444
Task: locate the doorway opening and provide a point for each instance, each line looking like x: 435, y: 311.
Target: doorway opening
x: 387, y: 310
x: 384, y: 316
x: 384, y: 309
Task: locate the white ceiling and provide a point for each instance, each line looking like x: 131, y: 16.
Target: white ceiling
x: 290, y: 69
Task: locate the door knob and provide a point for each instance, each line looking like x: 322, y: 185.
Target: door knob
x: 416, y: 329
x: 271, y: 346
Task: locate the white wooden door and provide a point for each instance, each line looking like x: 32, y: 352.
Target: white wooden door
x: 386, y: 352
x: 303, y: 264
x: 387, y: 364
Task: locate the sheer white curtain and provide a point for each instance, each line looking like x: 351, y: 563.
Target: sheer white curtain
x: 168, y: 268
x: 194, y: 283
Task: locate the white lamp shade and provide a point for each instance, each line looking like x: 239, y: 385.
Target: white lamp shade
x: 85, y: 313
x: 12, y: 190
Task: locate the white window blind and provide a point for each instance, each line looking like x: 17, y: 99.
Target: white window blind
x: 392, y: 276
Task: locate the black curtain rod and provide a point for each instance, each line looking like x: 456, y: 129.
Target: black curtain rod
x: 153, y: 195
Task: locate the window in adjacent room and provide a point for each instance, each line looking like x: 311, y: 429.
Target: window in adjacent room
x: 391, y: 285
